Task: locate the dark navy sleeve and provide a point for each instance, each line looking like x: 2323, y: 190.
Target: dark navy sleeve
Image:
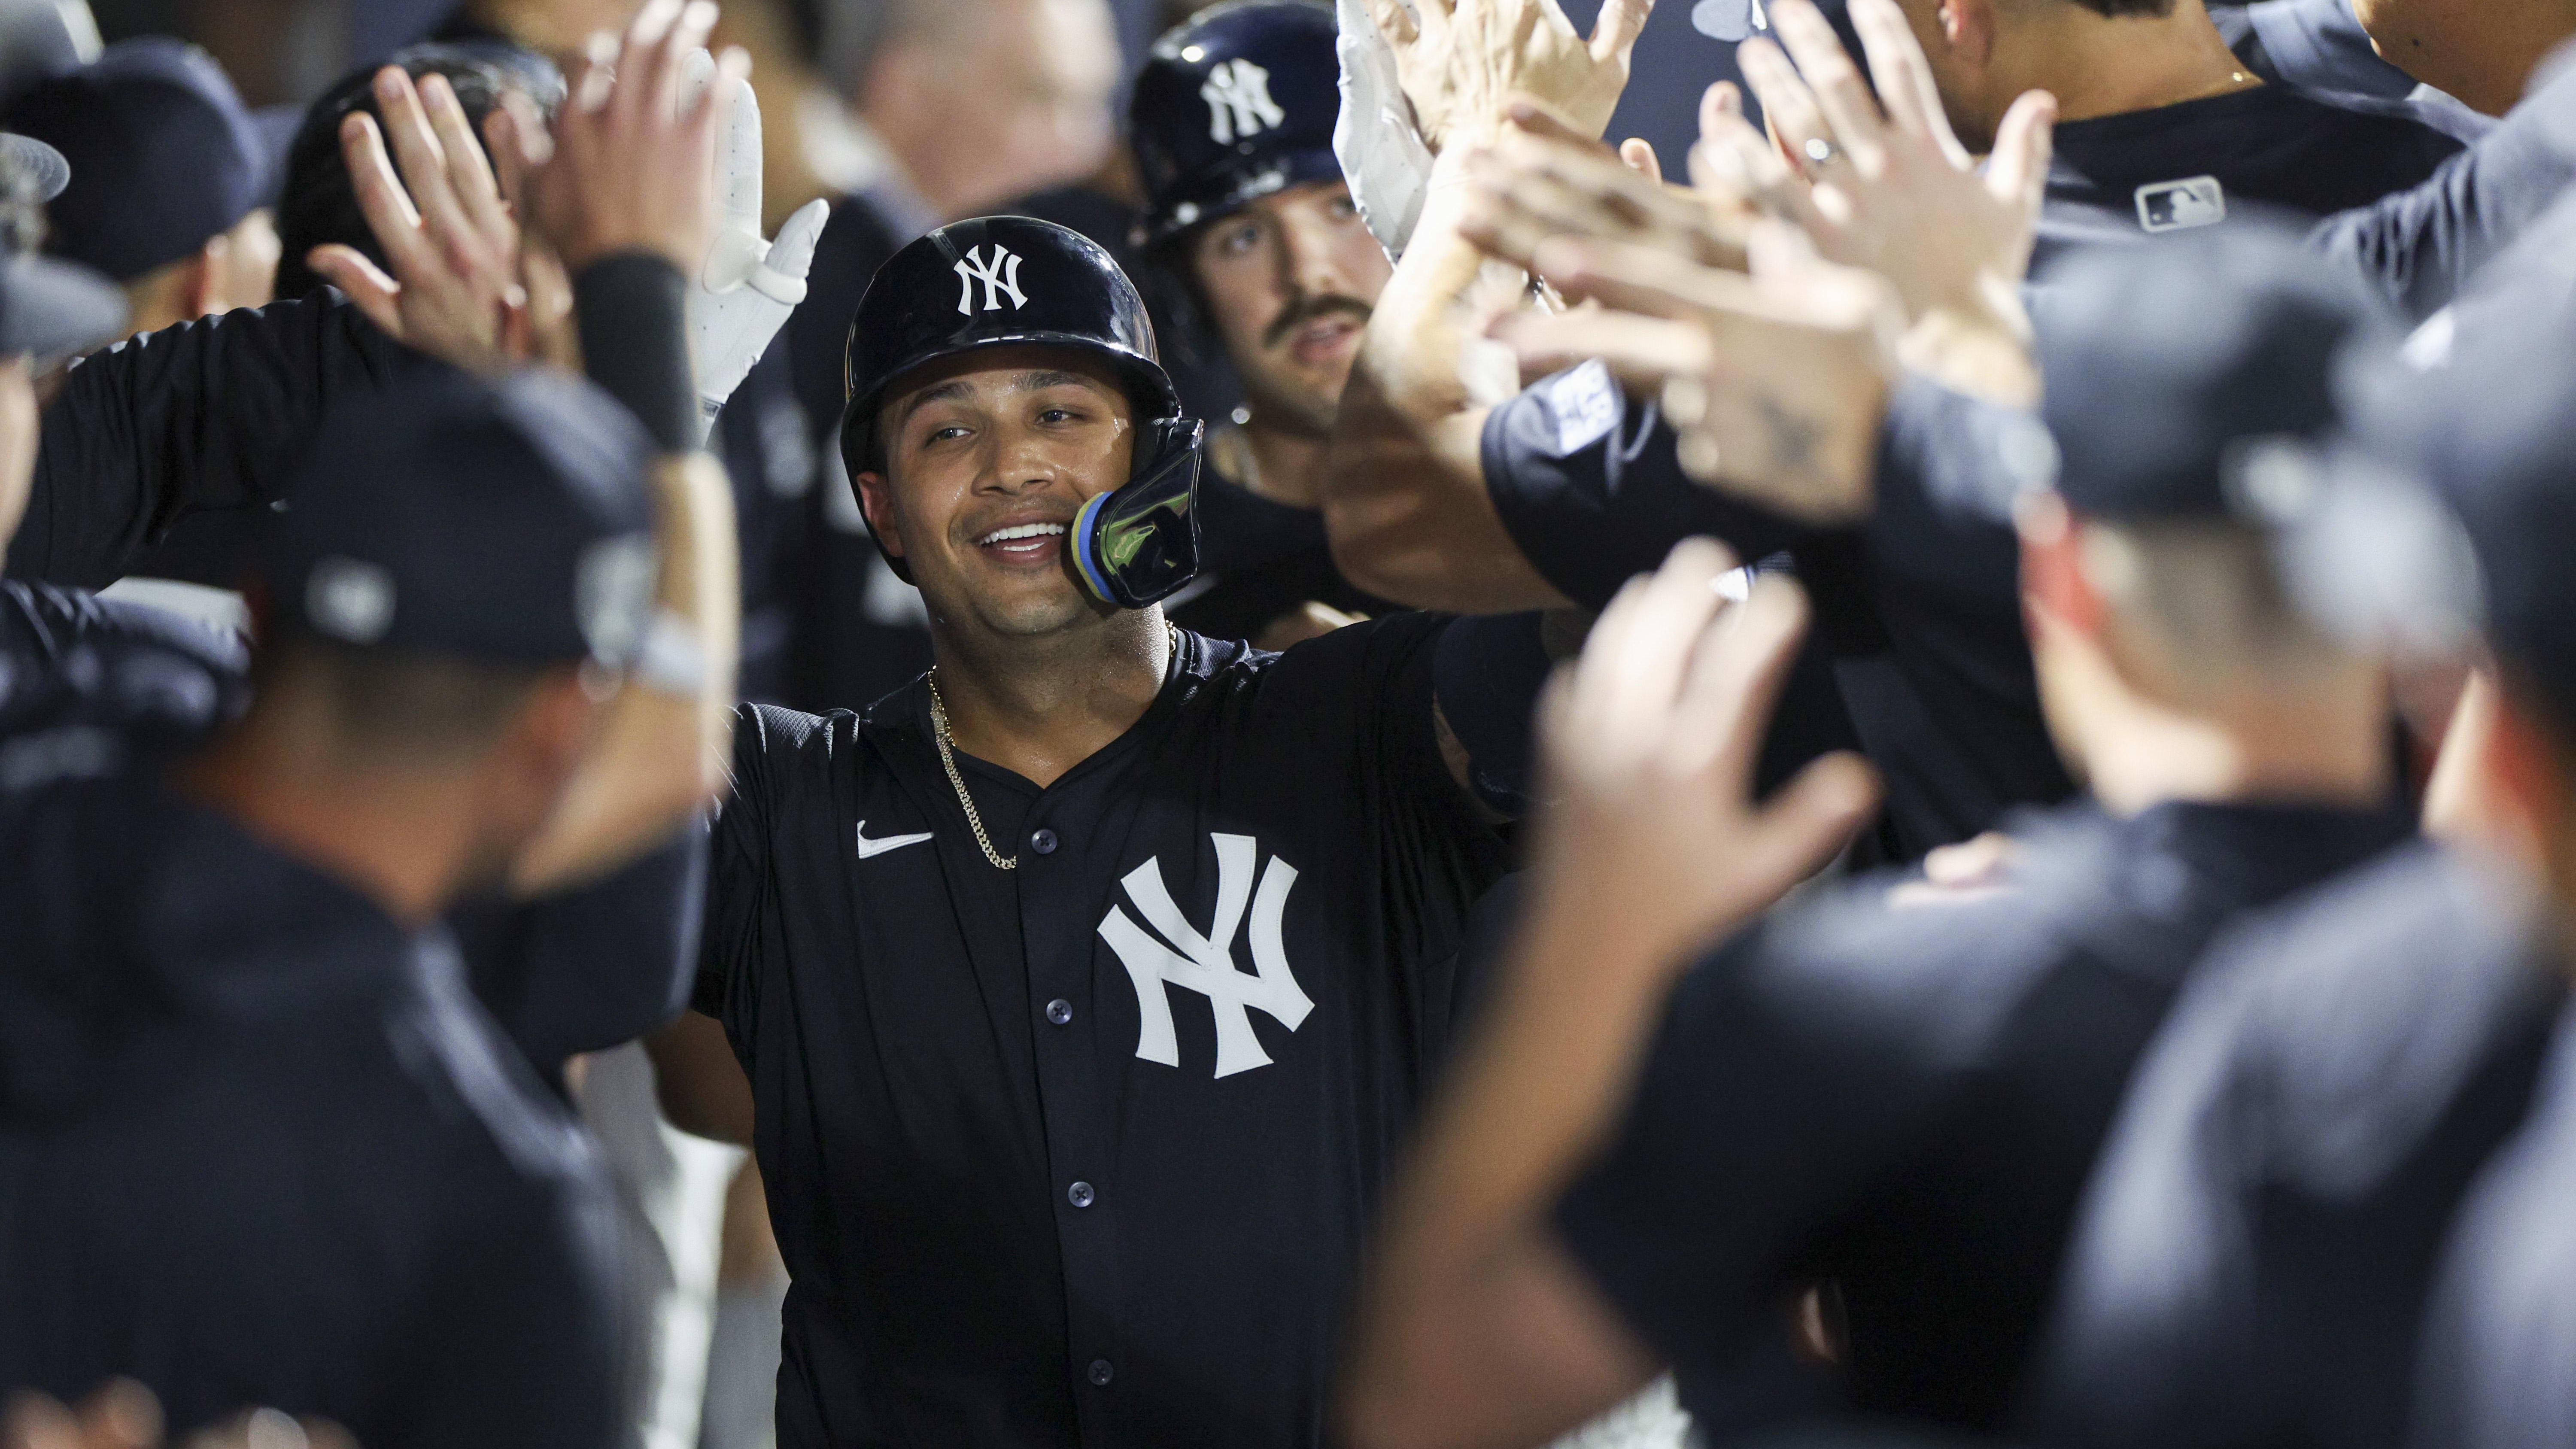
x: 208, y: 414
x: 2421, y: 244
x: 1589, y: 485
x: 594, y: 966
x: 71, y: 659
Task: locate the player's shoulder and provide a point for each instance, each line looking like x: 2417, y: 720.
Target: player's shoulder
x: 1335, y: 665
x: 1943, y: 969
x: 477, y: 1105
x: 2354, y: 1012
x: 773, y: 742
x: 2424, y: 125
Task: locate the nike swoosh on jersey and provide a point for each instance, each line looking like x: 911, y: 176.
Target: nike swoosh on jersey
x: 870, y: 849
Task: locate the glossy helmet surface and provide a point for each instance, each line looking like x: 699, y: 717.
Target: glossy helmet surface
x: 1235, y: 103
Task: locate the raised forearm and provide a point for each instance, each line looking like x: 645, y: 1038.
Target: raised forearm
x: 1404, y: 498
x: 661, y: 751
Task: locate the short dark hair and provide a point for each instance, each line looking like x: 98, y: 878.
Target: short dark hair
x: 394, y: 707
x: 318, y: 205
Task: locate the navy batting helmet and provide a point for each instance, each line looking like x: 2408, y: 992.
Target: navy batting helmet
x: 999, y: 281
x: 1235, y: 103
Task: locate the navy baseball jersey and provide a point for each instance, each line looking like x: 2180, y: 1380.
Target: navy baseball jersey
x: 2253, y: 1261
x: 1083, y: 1152
x: 2140, y: 174
x: 1905, y: 1099
x: 259, y: 1146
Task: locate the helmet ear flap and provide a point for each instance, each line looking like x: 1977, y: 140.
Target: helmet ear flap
x: 860, y: 453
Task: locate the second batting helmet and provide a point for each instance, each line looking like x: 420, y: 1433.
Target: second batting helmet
x: 1235, y: 103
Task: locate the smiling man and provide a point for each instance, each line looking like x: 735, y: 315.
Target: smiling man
x: 1085, y: 986
x: 1249, y: 221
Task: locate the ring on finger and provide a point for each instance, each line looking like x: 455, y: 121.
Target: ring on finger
x: 1820, y: 152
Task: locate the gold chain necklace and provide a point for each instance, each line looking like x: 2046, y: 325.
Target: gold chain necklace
x: 946, y: 738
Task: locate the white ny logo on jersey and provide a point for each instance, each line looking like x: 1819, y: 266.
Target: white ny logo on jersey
x: 1000, y: 275
x: 1205, y: 964
x: 1239, y: 104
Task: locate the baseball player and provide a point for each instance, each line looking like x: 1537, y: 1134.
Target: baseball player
x: 2260, y: 1256
x: 1084, y: 987
x: 1897, y: 1092
x: 258, y: 1144
x: 1251, y: 229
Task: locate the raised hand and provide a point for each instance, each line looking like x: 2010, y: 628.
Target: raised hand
x: 1462, y: 62
x: 1541, y: 180
x: 456, y: 290
x: 1776, y: 382
x: 748, y: 286
x: 1648, y: 744
x: 1893, y: 190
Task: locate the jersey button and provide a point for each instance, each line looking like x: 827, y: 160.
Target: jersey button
x: 1043, y: 842
x: 1060, y: 1011
x: 1079, y: 1194
x: 1100, y: 1372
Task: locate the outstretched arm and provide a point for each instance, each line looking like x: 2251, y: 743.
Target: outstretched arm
x: 1404, y: 498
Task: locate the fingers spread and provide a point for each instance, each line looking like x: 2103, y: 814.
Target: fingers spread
x: 381, y: 199
x: 418, y: 154
x: 1615, y: 33
x: 1834, y: 81
x: 1904, y: 77
x: 469, y: 172
x: 375, y: 295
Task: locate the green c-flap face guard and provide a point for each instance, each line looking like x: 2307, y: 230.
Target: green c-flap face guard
x: 1139, y: 543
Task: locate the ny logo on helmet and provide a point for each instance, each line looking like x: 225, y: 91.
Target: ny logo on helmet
x: 1239, y: 104
x: 1205, y: 964
x: 1000, y: 276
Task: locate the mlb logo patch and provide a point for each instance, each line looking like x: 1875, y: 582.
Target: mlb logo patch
x: 2181, y: 205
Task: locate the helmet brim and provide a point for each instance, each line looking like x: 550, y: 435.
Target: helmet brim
x: 1215, y: 195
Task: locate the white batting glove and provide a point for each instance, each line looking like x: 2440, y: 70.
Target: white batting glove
x: 1375, y: 136
x: 748, y: 286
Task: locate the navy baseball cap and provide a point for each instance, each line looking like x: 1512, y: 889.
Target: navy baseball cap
x: 504, y: 522
x: 163, y: 155
x: 2175, y: 371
